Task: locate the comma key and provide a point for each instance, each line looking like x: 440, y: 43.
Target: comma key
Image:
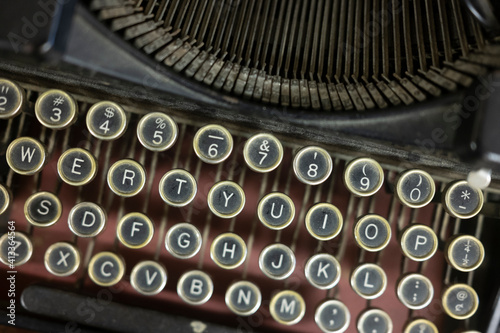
x: 26, y: 156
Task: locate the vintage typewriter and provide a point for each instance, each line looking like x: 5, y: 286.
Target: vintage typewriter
x: 250, y: 166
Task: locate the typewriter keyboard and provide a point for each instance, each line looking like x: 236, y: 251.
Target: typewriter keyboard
x: 248, y: 229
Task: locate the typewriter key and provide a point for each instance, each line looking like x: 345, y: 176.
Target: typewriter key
x: 415, y: 291
x: 312, y: 165
x: 12, y: 98
x: 372, y: 232
x: 156, y: 131
x: 126, y: 178
x: 415, y: 188
x: 183, y: 241
x: 86, y: 219
x: 420, y: 326
x: 213, y: 144
x: 263, y: 152
x: 419, y: 242
x: 228, y: 250
x: 62, y: 259
x: 369, y: 281
x: 464, y: 253
x: 276, y: 210
x: 148, y: 277
x: 374, y: 320
x: 106, y: 120
x: 226, y: 199
x: 243, y: 298
x: 462, y: 200
x: 332, y: 316
x: 106, y: 269
x: 177, y: 188
x: 135, y: 230
x: 5, y: 198
x: 324, y: 221
x: 287, y: 307
x: 195, y: 287
x: 15, y: 249
x: 322, y: 271
x: 42, y: 209
x: 277, y: 261
x: 56, y: 109
x: 77, y: 167
x: 363, y: 177
x: 460, y: 301
x: 26, y: 156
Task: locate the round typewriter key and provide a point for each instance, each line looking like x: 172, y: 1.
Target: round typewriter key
x: 462, y: 200
x: 415, y: 188
x: 420, y: 326
x: 183, y: 241
x: 213, y: 144
x: 86, y: 219
x: 228, y: 250
x: 419, y: 242
x: 372, y: 232
x: 106, y: 120
x: 43, y: 209
x: 62, y: 259
x: 322, y: 271
x: 369, y: 281
x: 460, y: 301
x: 11, y: 99
x: 126, y: 178
x: 26, y: 156
x: 332, y: 316
x: 263, y: 152
x: 374, y: 320
x: 276, y: 211
x: 135, y: 230
x: 363, y: 177
x: 415, y: 291
x: 324, y: 221
x: 464, y: 253
x: 195, y: 287
x: 156, y: 131
x: 148, y: 277
x: 55, y: 109
x: 226, y: 199
x: 312, y: 165
x: 106, y: 269
x: 4, y: 199
x: 177, y: 188
x: 77, y: 167
x: 287, y: 307
x: 277, y: 261
x: 15, y: 249
x: 243, y: 298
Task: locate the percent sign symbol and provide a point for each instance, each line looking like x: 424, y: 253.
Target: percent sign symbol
x: 160, y: 123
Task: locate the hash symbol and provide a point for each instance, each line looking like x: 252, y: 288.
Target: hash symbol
x: 465, y: 195
x: 58, y: 101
